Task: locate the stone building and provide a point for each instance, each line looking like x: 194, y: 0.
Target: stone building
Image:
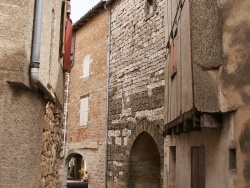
x: 31, y: 94
x: 207, y: 102
x: 86, y: 124
x: 137, y: 57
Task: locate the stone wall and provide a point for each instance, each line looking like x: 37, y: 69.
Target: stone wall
x: 136, y: 90
x: 51, y: 160
x: 89, y: 140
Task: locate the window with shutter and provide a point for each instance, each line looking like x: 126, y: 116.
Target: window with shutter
x: 86, y: 65
x: 84, y: 111
x: 174, y: 54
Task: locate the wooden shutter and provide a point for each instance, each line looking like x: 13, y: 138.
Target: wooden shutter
x: 67, y: 46
x: 84, y: 111
x: 173, y: 56
x: 86, y: 64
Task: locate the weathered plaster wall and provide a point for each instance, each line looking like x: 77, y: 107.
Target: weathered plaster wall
x: 227, y: 72
x: 90, y: 141
x: 27, y: 153
x: 136, y: 89
x: 16, y: 37
x: 234, y: 78
x: 235, y: 81
x: 206, y: 47
x: 216, y: 142
x: 21, y: 137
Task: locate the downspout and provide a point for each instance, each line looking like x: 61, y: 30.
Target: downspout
x: 65, y: 112
x: 35, y: 52
x: 107, y: 100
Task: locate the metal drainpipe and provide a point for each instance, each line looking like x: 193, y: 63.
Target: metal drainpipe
x: 35, y: 51
x: 107, y: 100
x: 66, y: 112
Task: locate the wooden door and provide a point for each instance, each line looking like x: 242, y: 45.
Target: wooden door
x: 198, y: 167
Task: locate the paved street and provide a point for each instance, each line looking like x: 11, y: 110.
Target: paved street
x: 77, y: 184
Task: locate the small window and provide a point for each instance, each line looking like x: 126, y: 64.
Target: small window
x: 174, y: 54
x: 172, y: 166
x: 84, y: 111
x: 86, y: 65
x: 232, y: 159
x: 150, y: 8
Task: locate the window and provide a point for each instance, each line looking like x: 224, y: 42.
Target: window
x: 174, y: 54
x: 232, y: 159
x: 86, y: 64
x: 84, y: 111
x: 150, y: 8
x: 172, y: 166
x: 198, y: 167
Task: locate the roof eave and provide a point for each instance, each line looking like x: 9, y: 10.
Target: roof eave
x: 89, y: 15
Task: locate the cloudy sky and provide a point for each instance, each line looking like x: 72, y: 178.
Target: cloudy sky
x: 81, y: 7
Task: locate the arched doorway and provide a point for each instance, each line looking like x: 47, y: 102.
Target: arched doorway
x: 76, y: 167
x: 144, y: 163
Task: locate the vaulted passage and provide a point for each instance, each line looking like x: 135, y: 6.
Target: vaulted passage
x: 144, y: 163
x: 76, y: 171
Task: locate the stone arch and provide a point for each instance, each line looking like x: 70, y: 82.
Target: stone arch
x: 153, y: 129
x: 144, y: 163
x: 145, y: 155
x: 78, y: 165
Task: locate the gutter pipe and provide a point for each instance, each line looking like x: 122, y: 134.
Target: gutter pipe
x: 66, y: 113
x: 35, y: 52
x: 107, y: 100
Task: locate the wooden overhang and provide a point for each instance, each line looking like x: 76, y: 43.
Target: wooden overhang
x: 193, y: 120
x: 89, y: 15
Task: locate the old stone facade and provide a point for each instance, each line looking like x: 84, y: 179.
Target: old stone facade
x: 86, y: 125
x: 136, y: 94
x: 30, y: 123
x: 206, y: 98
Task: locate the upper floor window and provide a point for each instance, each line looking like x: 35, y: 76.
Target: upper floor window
x: 84, y: 111
x: 86, y: 65
x: 174, y: 53
x: 150, y: 8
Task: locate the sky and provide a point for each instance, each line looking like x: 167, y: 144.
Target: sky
x: 80, y: 8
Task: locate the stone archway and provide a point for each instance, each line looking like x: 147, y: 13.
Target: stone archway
x: 74, y: 164
x: 144, y: 163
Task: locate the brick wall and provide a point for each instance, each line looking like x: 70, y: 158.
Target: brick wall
x: 89, y: 141
x: 136, y: 89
